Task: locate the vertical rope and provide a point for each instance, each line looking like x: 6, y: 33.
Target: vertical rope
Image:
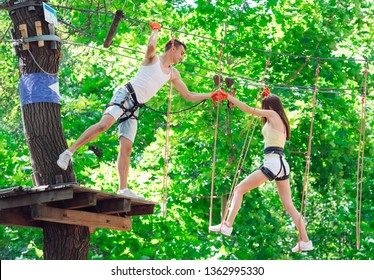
x: 166, y: 152
x: 245, y: 148
x: 360, y: 160
x: 215, y: 141
x: 307, y: 164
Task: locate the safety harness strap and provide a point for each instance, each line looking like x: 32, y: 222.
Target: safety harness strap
x: 128, y: 113
x: 267, y: 172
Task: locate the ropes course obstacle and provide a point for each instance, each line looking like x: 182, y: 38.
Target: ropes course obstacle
x: 218, y: 83
x: 361, y: 147
x: 307, y: 161
x: 245, y: 148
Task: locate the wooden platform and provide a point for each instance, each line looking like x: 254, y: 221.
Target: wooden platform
x: 70, y: 204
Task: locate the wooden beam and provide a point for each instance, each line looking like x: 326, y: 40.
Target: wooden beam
x: 139, y: 210
x: 79, y: 200
x: 18, y: 217
x: 36, y: 198
x: 75, y: 217
x: 115, y: 205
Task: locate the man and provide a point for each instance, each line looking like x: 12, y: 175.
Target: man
x: 153, y: 73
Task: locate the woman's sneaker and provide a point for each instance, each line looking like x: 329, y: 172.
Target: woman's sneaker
x: 64, y: 159
x: 222, y: 228
x: 303, y: 246
x: 130, y: 193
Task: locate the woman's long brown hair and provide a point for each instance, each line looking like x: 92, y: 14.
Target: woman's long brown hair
x: 276, y: 105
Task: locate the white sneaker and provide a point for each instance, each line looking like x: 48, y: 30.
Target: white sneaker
x: 64, y: 159
x: 129, y: 193
x: 303, y: 246
x: 222, y: 228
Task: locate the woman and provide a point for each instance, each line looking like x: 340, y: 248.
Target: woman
x: 276, y: 130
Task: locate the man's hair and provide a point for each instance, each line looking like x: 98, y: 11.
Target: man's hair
x: 177, y: 43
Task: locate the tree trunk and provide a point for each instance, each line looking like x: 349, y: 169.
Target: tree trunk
x: 73, y: 242
x: 43, y: 129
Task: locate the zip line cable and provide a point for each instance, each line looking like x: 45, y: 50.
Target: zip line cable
x: 219, y: 41
x: 244, y: 79
x: 201, y: 67
x: 213, y: 70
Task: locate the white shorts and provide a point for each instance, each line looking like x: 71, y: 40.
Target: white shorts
x: 129, y: 127
x: 277, y: 165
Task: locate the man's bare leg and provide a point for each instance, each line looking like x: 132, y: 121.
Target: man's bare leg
x: 123, y: 161
x: 91, y: 133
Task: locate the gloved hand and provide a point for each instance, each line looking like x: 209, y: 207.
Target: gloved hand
x: 265, y: 92
x: 155, y: 25
x: 218, y: 95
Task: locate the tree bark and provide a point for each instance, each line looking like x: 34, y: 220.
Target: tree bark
x: 73, y: 242
x: 44, y: 134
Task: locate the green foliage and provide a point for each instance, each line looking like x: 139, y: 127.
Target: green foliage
x: 249, y: 32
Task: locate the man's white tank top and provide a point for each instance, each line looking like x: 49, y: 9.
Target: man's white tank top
x: 148, y: 81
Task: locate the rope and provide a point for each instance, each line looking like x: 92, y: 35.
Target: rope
x: 245, y: 148
x: 360, y: 160
x: 215, y: 142
x: 166, y: 153
x: 37, y: 64
x: 307, y: 164
x: 235, y: 45
x: 173, y: 112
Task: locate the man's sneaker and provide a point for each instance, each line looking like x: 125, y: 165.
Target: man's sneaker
x: 64, y: 159
x: 222, y: 228
x: 130, y: 193
x: 303, y: 246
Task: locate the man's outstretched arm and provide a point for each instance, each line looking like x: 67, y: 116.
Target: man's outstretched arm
x: 183, y: 90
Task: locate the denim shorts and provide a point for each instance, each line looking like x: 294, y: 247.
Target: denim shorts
x: 129, y: 127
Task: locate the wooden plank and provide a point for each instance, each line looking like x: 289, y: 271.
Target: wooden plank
x: 79, y: 200
x: 36, y: 197
x: 18, y: 217
x: 24, y: 34
x: 75, y: 217
x: 39, y: 32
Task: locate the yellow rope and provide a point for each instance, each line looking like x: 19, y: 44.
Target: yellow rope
x: 245, y: 148
x: 166, y: 152
x: 360, y: 161
x: 307, y: 163
x: 215, y: 142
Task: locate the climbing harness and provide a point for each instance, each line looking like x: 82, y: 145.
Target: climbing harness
x: 128, y: 113
x: 267, y: 172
